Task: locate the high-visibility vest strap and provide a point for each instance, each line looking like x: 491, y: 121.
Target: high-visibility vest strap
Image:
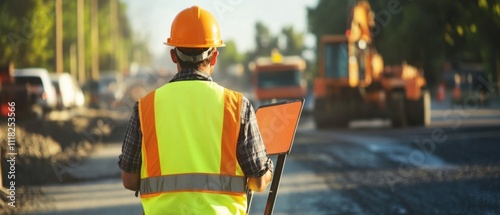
x: 193, y: 182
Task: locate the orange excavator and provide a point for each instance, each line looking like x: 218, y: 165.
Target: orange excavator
x: 353, y: 83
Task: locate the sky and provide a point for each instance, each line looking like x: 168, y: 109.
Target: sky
x: 237, y: 18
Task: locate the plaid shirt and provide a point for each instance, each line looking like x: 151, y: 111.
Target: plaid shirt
x: 251, y: 152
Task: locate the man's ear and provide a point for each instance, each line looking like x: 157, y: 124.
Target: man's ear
x: 213, y: 60
x: 173, y: 56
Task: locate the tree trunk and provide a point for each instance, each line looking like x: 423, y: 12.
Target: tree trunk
x: 497, y: 78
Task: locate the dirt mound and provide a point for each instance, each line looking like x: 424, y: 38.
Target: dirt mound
x: 41, y: 146
x: 47, y: 149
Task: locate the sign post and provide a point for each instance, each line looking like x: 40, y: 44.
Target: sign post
x: 277, y: 124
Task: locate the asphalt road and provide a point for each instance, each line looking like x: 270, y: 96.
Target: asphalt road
x: 437, y: 170
x: 450, y: 167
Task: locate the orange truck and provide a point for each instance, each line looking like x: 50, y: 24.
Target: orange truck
x: 278, y: 77
x: 353, y: 83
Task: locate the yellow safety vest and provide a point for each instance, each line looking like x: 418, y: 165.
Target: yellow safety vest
x: 189, y: 135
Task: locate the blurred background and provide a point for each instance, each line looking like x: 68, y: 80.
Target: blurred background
x: 402, y: 107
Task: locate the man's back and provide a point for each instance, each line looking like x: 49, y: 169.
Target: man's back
x: 191, y: 145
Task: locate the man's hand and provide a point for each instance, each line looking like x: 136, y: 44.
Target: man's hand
x: 131, y: 181
x: 260, y: 184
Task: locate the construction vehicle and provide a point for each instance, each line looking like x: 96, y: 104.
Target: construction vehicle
x: 278, y: 77
x: 353, y: 83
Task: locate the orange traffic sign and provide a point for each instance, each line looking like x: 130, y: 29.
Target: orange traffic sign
x: 277, y: 124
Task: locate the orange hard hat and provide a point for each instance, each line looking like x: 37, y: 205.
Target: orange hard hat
x: 194, y: 27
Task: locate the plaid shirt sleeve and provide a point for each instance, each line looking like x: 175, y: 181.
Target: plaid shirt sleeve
x: 130, y: 159
x: 251, y: 152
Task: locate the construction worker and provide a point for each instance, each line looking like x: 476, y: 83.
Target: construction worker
x: 192, y: 146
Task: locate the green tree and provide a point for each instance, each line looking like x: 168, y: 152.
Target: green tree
x: 115, y: 51
x: 413, y: 35
x: 428, y: 33
x: 28, y: 38
x: 264, y: 43
x: 228, y: 56
x: 26, y: 30
x: 294, y: 41
x: 264, y: 40
x: 328, y: 17
x: 141, y: 52
x: 472, y: 29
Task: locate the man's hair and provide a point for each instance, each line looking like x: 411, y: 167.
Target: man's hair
x: 193, y: 52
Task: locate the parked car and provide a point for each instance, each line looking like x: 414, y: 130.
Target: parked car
x: 12, y: 91
x: 143, y: 82
x: 39, y: 85
x: 110, y: 85
x: 69, y: 94
x: 91, y: 92
x: 103, y: 93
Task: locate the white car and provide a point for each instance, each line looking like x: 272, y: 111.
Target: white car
x: 69, y: 94
x: 40, y: 86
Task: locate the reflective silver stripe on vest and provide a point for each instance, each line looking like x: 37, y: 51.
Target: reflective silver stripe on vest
x: 207, y: 182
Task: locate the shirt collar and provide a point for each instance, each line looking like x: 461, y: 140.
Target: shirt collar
x: 191, y: 74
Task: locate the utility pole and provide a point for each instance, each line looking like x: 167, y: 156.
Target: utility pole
x: 80, y: 11
x: 59, y: 36
x: 113, y: 17
x: 73, y: 63
x: 94, y: 22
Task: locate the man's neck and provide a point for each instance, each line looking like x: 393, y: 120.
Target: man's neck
x: 205, y: 70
